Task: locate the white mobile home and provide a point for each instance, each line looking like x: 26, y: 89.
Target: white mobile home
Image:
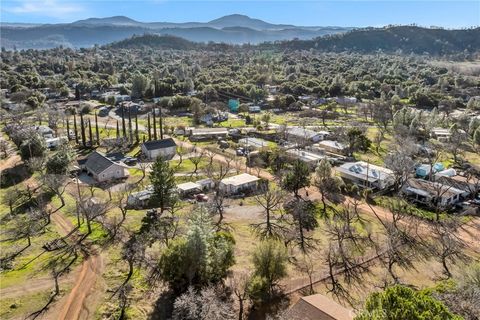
x: 366, y: 175
x: 241, y: 183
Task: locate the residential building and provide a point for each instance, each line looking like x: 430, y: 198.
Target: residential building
x: 333, y: 147
x: 431, y: 193
x: 140, y: 199
x: 103, y: 169
x: 425, y: 170
x: 318, y: 307
x: 202, y: 134
x: 241, y: 183
x: 188, y: 188
x: 440, y: 134
x: 303, y: 135
x: 55, y: 142
x: 45, y: 131
x: 309, y: 157
x: 253, y: 143
x: 165, y: 148
x: 366, y: 175
x: 469, y: 186
x: 254, y: 109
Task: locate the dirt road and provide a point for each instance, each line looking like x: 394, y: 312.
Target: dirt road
x: 75, y: 305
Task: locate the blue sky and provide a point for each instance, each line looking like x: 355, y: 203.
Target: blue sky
x: 358, y: 13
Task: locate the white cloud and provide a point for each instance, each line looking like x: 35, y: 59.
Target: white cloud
x: 49, y: 8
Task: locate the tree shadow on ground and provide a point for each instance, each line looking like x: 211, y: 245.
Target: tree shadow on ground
x: 271, y: 307
x: 15, y: 175
x: 163, y: 306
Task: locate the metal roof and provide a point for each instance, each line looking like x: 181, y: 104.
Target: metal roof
x: 240, y: 179
x: 97, y: 162
x: 159, y: 144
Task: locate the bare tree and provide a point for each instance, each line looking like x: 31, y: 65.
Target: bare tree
x: 207, y: 304
x: 239, y: 283
x: 217, y: 172
x: 195, y: 158
x: 271, y: 200
x: 56, y: 184
x: 448, y: 246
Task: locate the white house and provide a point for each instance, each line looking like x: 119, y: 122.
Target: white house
x: 309, y: 157
x: 366, y: 175
x: 188, y: 188
x: 252, y: 143
x: 45, y: 131
x: 199, y: 134
x: 332, y: 146
x: 165, y: 148
x: 239, y: 183
x: 254, y: 109
x: 428, y: 192
x: 140, y: 199
x: 299, y: 134
x: 55, y: 142
x: 441, y: 134
x: 103, y: 169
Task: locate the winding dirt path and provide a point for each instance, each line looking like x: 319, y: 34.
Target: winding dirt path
x: 75, y: 306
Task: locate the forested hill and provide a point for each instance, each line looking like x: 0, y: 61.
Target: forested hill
x: 156, y: 42
x: 408, y: 39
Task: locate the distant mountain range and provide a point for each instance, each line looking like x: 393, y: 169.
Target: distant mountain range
x: 405, y: 39
x: 232, y: 29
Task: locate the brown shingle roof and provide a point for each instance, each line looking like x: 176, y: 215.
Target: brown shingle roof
x: 319, y: 307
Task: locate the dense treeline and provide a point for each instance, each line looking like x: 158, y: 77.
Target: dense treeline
x: 407, y: 39
x: 234, y: 73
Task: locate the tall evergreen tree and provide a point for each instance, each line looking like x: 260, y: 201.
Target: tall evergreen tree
x: 164, y: 186
x: 75, y: 127
x: 130, y: 130
x: 154, y: 126
x: 148, y: 128
x: 161, y: 122
x: 82, y: 128
x: 96, y: 129
x: 68, y: 129
x: 90, y: 133
x: 136, y: 128
x: 124, y: 128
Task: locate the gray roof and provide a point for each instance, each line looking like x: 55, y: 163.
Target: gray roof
x: 302, y: 132
x: 97, y: 162
x: 159, y: 144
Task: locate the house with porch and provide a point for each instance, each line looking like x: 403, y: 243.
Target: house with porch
x: 431, y: 193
